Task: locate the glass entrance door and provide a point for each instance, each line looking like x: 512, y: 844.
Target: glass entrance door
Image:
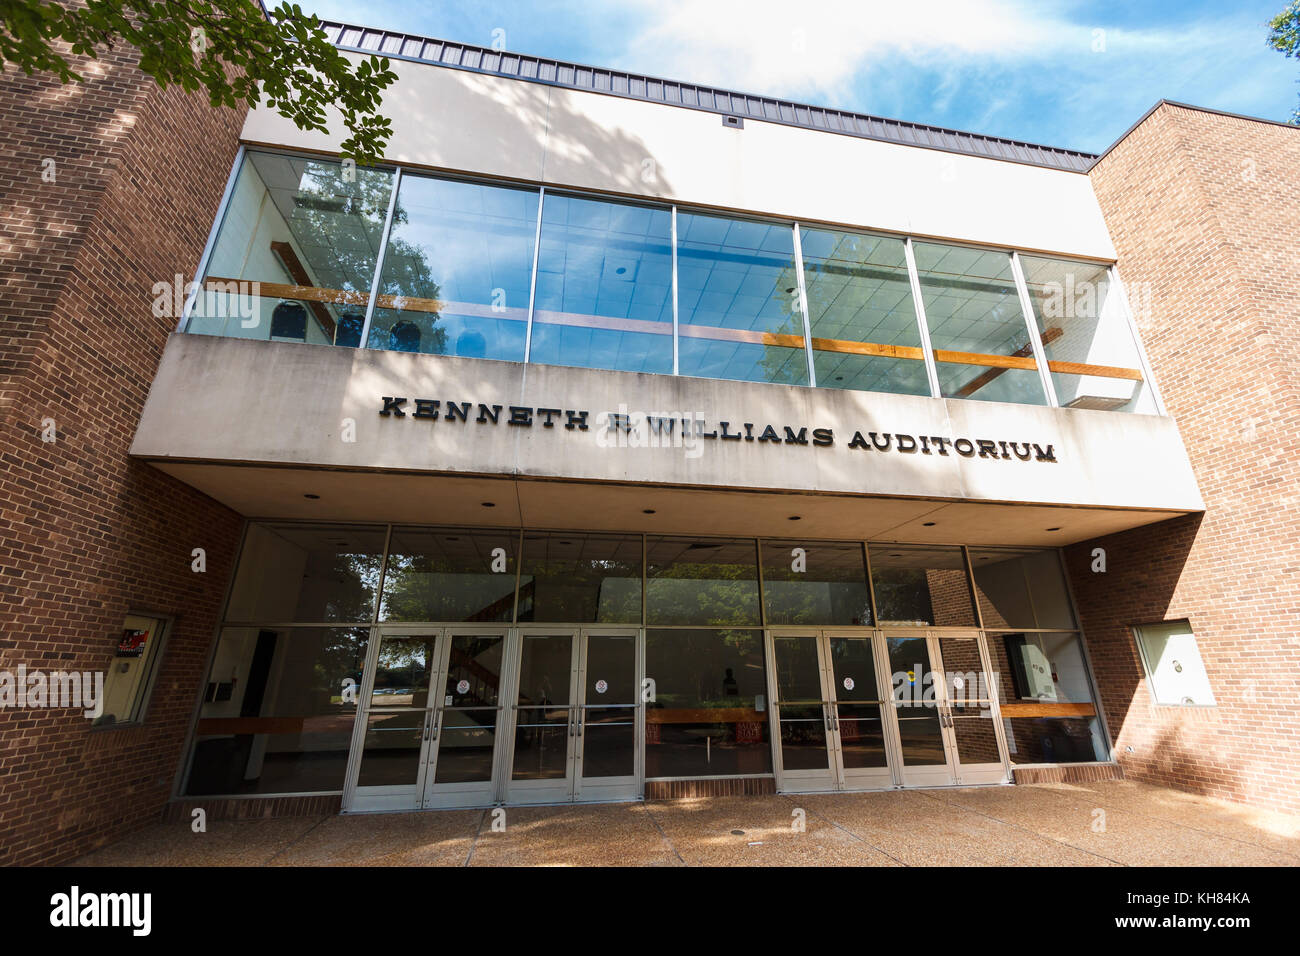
x: 944, y: 709
x: 831, y: 731
x: 577, y: 716
x: 427, y: 731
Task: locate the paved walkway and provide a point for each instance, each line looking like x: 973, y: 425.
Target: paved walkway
x: 1045, y: 824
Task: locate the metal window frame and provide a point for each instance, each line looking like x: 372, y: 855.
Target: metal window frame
x: 801, y: 285
x: 1031, y: 325
x: 384, y: 236
x: 201, y: 270
x: 927, y: 348
x: 1149, y: 671
x: 186, y: 759
x: 1143, y: 360
x: 532, y: 282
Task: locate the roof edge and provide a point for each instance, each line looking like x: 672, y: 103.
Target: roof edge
x: 1186, y: 106
x: 470, y: 57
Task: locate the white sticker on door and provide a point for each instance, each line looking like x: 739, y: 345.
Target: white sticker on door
x: 601, y: 687
x: 848, y: 683
x: 462, y: 687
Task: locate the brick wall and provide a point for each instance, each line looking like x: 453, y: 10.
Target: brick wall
x: 1204, y: 210
x: 86, y: 534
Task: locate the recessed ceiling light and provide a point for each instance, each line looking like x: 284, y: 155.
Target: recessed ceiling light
x: 489, y: 504
x: 1053, y: 529
x: 928, y: 524
x: 793, y: 518
x: 648, y: 511
x: 312, y: 497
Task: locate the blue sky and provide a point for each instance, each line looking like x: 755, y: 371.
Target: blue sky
x: 1062, y: 73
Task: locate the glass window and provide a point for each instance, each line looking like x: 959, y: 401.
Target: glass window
x: 738, y: 301
x: 126, y: 687
x: 864, y: 329
x: 604, y: 286
x: 450, y: 576
x: 581, y: 578
x: 457, y: 270
x: 815, y: 583
x: 977, y: 327
x: 278, y: 710
x: 307, y: 232
x: 310, y: 574
x: 1046, y: 698
x: 1021, y: 588
x: 701, y: 581
x: 1086, y: 336
x: 1173, y: 664
x: 918, y: 584
x: 708, y: 715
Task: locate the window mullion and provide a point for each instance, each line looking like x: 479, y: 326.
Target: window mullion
x: 379, y: 260
x: 1035, y: 340
x: 532, y: 285
x: 803, y: 307
x: 927, y: 349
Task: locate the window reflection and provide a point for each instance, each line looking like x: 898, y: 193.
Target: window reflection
x: 738, y: 309
x: 457, y: 270
x: 449, y: 576
x: 701, y: 581
x: 977, y: 328
x: 604, y: 286
x: 582, y: 578
x: 709, y: 713
x: 918, y: 584
x: 308, y: 232
x: 274, y: 717
x: 865, y: 333
x: 1090, y: 348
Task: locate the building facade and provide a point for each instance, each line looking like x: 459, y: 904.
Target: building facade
x: 620, y: 439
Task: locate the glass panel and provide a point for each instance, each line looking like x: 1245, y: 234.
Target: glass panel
x: 977, y: 326
x: 307, y: 573
x: 963, y: 670
x: 798, y: 673
x: 611, y: 670
x: 542, y: 722
x: 815, y: 583
x: 1046, y: 700
x: 403, y: 671
x: 1054, y: 740
x: 581, y: 578
x: 1041, y: 667
x: 738, y: 301
x: 977, y: 740
x: 864, y: 328
x: 609, y: 742
x: 1021, y: 588
x: 914, y: 684
x: 919, y: 584
x: 706, y: 581
x: 450, y: 576
x: 474, y: 670
x: 1177, y: 673
x: 1086, y: 336
x: 274, y: 718
x: 862, y: 736
x: 708, y: 713
x: 390, y: 755
x: 853, y: 669
x: 295, y: 254
x: 604, y: 286
x: 466, y: 741
x: 457, y: 270
x: 803, y: 737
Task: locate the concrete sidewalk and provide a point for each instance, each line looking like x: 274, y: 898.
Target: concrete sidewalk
x: 1044, y: 824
